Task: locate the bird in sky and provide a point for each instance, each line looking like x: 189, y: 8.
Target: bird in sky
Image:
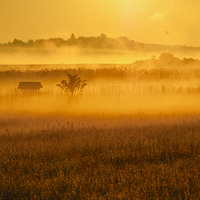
x: 166, y: 32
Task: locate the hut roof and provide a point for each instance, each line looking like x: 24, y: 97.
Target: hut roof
x: 30, y: 85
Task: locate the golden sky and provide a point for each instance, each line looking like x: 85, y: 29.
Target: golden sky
x: 141, y: 20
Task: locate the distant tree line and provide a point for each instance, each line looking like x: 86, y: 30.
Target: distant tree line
x: 101, y: 41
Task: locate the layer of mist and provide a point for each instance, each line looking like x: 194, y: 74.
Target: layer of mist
x: 71, y: 56
x: 109, y: 91
x: 100, y: 49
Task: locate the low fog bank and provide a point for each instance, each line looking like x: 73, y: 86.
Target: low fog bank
x: 94, y: 49
x: 71, y: 55
x: 75, y: 55
x: 164, y: 85
x: 32, y: 122
x: 106, y: 98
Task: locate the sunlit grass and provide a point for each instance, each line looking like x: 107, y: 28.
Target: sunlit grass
x: 156, y: 160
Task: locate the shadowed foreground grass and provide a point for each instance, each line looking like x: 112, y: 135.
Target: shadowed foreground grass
x: 158, y: 161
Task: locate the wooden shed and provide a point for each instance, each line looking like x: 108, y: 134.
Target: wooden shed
x: 30, y: 86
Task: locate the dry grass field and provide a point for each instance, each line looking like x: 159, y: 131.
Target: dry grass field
x: 133, y: 134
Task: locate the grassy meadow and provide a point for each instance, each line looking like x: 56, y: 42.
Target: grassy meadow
x: 134, y: 133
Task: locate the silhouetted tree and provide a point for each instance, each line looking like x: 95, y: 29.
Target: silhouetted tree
x: 30, y: 42
x: 166, y: 56
x: 168, y: 59
x: 72, y: 40
x: 73, y: 85
x: 17, y: 42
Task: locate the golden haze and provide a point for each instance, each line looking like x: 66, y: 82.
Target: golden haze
x: 140, y: 20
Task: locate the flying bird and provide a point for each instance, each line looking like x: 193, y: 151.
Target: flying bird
x: 166, y: 32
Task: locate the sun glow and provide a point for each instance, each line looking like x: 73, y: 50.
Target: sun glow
x: 131, y: 18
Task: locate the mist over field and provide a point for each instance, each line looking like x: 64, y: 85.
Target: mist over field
x: 89, y: 115
x: 160, y: 84
x: 99, y: 49
x: 70, y: 56
x: 109, y: 123
x: 79, y: 56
